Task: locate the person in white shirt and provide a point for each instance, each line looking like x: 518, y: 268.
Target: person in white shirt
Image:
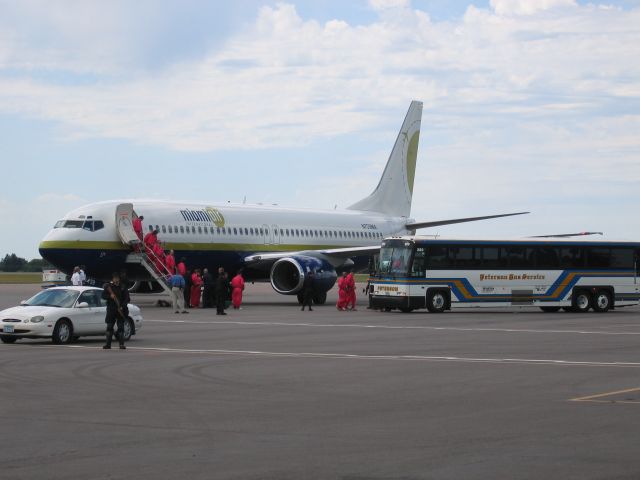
x: 76, y: 278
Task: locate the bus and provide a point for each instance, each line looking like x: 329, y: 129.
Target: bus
x: 440, y: 274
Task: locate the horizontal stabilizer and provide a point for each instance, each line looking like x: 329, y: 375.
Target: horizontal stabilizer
x: 416, y: 226
x: 566, y: 235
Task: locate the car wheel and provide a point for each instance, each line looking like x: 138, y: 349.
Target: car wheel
x: 436, y: 301
x: 129, y: 328
x: 602, y: 301
x: 550, y: 309
x: 8, y: 339
x: 582, y: 301
x: 63, y: 332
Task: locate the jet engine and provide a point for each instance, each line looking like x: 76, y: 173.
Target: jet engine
x: 288, y: 274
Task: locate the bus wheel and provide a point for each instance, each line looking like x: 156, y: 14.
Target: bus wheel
x: 436, y: 301
x: 581, y: 301
x: 550, y: 309
x: 602, y: 301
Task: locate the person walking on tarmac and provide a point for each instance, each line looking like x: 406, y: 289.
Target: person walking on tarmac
x: 222, y: 291
x: 207, y: 289
x: 350, y: 292
x: 308, y: 289
x: 342, y: 293
x: 237, y: 284
x: 117, y: 309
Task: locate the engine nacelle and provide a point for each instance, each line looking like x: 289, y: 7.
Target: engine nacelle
x: 288, y: 274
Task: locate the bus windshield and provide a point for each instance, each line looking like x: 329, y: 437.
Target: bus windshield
x: 395, y: 256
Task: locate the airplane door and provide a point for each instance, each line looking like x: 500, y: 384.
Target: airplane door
x: 124, y: 224
x: 266, y: 234
x: 275, y: 234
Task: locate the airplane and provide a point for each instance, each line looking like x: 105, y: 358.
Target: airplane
x: 270, y: 243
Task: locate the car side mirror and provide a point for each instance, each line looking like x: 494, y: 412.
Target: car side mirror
x: 83, y: 305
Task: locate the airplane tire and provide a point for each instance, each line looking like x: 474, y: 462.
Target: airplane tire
x: 320, y: 298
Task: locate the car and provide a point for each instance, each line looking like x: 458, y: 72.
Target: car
x: 63, y: 314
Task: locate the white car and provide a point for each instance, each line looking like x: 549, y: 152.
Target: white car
x: 62, y: 314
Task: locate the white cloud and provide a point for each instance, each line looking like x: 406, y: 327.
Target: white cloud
x: 527, y: 7
x: 387, y: 4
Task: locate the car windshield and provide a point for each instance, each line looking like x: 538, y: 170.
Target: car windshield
x: 62, y: 298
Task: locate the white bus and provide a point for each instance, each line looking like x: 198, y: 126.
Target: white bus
x: 439, y: 274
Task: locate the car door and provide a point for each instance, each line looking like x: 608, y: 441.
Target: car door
x: 90, y: 320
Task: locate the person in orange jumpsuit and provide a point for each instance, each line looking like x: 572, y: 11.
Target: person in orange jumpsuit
x: 350, y: 292
x: 158, y: 258
x: 237, y: 284
x: 196, y: 284
x: 137, y: 226
x: 170, y: 262
x: 150, y: 239
x: 342, y: 294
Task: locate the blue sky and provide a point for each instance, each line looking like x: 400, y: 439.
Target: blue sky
x: 529, y: 105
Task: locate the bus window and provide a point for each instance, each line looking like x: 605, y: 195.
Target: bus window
x: 437, y: 258
x: 464, y: 257
x: 621, y: 258
x: 598, y: 257
x: 519, y: 257
x: 546, y: 258
x: 418, y: 266
x: 571, y: 257
x: 490, y: 257
x: 394, y: 257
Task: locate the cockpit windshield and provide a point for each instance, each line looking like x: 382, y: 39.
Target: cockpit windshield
x: 89, y: 225
x: 395, y: 256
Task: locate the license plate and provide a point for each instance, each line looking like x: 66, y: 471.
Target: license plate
x: 7, y: 329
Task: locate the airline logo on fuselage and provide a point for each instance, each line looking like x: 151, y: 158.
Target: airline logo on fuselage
x: 206, y: 215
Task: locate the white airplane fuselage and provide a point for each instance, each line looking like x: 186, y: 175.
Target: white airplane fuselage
x: 210, y: 236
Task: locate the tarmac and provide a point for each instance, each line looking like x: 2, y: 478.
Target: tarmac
x: 270, y: 392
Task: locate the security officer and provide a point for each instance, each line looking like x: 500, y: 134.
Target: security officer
x: 222, y: 291
x: 117, y: 299
x: 308, y: 290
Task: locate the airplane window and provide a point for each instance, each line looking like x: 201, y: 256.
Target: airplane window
x: 151, y: 228
x: 246, y: 231
x: 281, y: 232
x: 59, y: 224
x: 235, y: 231
x: 164, y: 229
x: 88, y: 225
x: 181, y: 229
x: 73, y: 224
x: 170, y: 228
x: 261, y: 232
x: 98, y: 225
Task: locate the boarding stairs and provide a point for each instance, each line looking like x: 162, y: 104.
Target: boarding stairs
x: 153, y: 265
x: 140, y: 254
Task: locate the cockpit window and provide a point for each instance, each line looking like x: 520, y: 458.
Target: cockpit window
x: 93, y: 225
x: 59, y: 224
x: 73, y: 224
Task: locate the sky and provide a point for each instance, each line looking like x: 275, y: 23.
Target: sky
x: 529, y: 105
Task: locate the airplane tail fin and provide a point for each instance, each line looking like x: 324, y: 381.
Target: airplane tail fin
x: 393, y: 194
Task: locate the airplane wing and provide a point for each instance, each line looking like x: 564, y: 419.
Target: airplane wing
x: 335, y: 256
x: 416, y: 226
x: 566, y: 235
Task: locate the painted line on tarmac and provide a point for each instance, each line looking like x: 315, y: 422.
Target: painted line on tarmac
x: 598, y: 398
x: 390, y: 327
x: 350, y: 356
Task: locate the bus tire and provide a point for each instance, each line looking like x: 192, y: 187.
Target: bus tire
x: 436, y: 301
x: 602, y: 301
x: 581, y: 301
x: 550, y: 309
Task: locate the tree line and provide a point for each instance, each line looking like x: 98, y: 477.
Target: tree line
x: 13, y: 263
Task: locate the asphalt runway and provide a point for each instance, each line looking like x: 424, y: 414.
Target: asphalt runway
x: 270, y: 392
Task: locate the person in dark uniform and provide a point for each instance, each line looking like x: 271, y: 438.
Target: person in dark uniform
x: 187, y: 289
x: 222, y: 291
x: 207, y: 289
x: 117, y: 300
x: 308, y: 290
